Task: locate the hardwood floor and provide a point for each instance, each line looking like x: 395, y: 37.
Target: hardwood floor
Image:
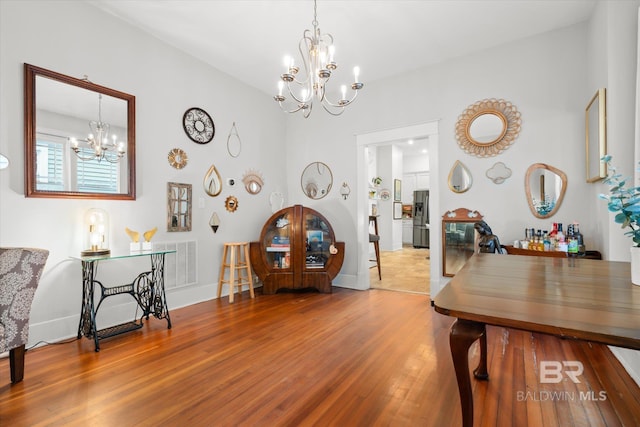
x: 405, y: 270
x: 351, y: 358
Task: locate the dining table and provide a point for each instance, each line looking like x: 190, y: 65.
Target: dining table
x: 571, y: 298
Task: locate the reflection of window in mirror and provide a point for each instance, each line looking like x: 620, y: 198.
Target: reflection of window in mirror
x: 60, y: 160
x: 178, y: 207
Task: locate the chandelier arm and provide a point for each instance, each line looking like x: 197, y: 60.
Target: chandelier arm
x: 81, y: 157
x: 332, y: 112
x: 295, y: 110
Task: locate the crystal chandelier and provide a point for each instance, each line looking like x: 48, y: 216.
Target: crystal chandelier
x: 98, y: 141
x: 317, y: 53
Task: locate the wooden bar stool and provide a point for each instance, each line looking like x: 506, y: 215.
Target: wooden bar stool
x: 375, y: 239
x: 238, y: 262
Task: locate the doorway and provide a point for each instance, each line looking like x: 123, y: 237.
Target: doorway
x: 365, y: 278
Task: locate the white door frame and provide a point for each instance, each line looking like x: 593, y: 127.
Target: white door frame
x: 428, y: 129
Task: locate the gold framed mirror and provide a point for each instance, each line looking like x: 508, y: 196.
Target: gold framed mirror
x: 595, y: 119
x: 488, y: 127
x: 460, y: 178
x: 544, y: 187
x: 62, y: 115
x: 459, y: 239
x: 212, y: 182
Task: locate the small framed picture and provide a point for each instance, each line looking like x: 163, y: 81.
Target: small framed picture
x: 397, y: 210
x: 397, y: 190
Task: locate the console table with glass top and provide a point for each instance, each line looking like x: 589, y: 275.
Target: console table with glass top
x: 147, y: 289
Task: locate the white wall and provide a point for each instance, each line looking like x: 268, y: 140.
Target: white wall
x: 75, y: 39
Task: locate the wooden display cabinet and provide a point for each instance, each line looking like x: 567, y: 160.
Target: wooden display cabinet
x: 297, y: 250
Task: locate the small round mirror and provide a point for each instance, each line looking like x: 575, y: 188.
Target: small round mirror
x: 212, y: 182
x: 317, y: 180
x: 545, y: 187
x: 460, y: 179
x: 487, y: 128
x: 4, y: 162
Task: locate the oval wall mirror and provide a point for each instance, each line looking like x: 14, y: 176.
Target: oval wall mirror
x: 488, y: 127
x: 545, y: 187
x: 212, y: 182
x: 317, y: 180
x: 460, y: 179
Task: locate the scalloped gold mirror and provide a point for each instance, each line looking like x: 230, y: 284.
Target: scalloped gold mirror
x: 488, y: 127
x: 212, y: 182
x: 59, y: 111
x: 545, y: 187
x: 460, y: 179
x: 316, y: 180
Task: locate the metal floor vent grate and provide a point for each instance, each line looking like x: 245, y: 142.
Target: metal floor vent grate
x: 180, y: 269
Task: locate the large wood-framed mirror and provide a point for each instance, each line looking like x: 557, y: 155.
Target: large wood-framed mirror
x: 596, y: 136
x: 459, y: 239
x: 58, y: 112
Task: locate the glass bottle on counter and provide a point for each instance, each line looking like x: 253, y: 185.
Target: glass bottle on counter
x: 572, y: 241
x: 560, y: 238
x: 579, y: 238
x: 546, y: 241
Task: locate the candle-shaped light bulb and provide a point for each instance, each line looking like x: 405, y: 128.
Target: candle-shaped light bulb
x: 121, y: 147
x: 343, y: 88
x: 74, y: 142
x: 304, y: 94
x: 280, y: 87
x: 356, y: 74
x: 332, y: 51
x: 287, y: 62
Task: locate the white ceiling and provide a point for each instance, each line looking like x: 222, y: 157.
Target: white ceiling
x: 248, y: 39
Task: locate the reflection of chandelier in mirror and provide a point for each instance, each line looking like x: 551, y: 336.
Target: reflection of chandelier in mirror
x: 317, y: 52
x: 98, y: 141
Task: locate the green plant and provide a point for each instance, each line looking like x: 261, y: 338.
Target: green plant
x: 624, y: 201
x: 376, y: 181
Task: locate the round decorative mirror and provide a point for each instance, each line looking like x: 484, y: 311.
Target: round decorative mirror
x: 460, y: 179
x: 317, y: 180
x: 212, y: 182
x: 488, y: 127
x: 545, y: 187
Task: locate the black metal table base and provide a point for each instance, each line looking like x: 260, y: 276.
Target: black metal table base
x: 147, y: 289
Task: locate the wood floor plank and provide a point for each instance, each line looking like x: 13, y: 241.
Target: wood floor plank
x: 350, y: 358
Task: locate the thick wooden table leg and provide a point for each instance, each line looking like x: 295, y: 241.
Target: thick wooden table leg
x: 463, y: 334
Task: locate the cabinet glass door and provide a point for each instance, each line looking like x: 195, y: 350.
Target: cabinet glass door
x: 317, y: 241
x: 277, y: 242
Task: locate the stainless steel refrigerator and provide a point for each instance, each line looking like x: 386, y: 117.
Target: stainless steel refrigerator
x: 421, y: 219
